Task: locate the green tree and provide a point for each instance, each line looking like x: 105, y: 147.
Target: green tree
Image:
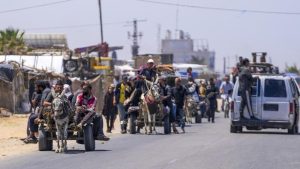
x: 292, y: 69
x: 12, y: 42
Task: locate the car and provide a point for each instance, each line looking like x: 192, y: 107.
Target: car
x: 275, y: 104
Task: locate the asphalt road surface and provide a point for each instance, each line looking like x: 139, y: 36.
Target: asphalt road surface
x: 203, y: 146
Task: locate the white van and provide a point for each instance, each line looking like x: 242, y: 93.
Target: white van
x: 275, y: 103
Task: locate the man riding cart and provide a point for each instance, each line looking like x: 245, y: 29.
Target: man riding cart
x: 88, y: 125
x: 85, y: 112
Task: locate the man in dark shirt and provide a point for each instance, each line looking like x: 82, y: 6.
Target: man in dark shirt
x: 45, y: 92
x: 149, y: 72
x: 245, y: 83
x: 189, y: 72
x: 211, y: 94
x: 67, y: 80
x: 35, y: 101
x: 109, y: 108
x: 58, y: 88
x: 165, y: 92
x: 178, y: 93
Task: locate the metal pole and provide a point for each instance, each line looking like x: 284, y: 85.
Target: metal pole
x: 100, y: 14
x: 224, y: 66
x: 51, y: 62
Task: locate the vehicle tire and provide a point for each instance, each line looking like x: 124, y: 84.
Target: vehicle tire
x: 198, y: 118
x: 166, y: 123
x: 44, y: 143
x: 88, y: 136
x: 240, y: 129
x: 293, y: 130
x: 132, y: 126
x: 233, y: 129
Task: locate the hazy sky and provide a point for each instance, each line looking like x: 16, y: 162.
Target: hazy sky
x: 228, y: 33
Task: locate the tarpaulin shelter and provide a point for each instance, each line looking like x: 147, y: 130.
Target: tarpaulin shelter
x: 13, y: 94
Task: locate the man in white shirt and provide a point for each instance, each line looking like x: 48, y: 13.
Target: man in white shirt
x: 226, y: 89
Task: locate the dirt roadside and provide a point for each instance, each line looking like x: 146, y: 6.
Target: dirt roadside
x: 13, y: 128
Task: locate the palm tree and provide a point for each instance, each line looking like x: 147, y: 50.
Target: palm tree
x: 12, y: 42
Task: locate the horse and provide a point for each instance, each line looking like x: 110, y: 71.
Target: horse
x: 61, y: 118
x: 151, y: 105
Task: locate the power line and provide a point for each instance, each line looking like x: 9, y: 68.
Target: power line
x: 222, y: 9
x: 63, y: 27
x: 34, y: 6
x: 73, y: 26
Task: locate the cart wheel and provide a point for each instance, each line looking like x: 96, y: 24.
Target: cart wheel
x: 44, y: 143
x: 89, y: 141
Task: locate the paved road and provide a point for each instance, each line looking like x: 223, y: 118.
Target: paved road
x: 204, y: 146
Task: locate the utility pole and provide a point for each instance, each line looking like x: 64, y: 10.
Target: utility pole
x: 100, y: 16
x: 224, y: 65
x: 158, y: 38
x: 135, y: 35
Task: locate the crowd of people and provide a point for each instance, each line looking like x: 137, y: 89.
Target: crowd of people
x: 121, y: 97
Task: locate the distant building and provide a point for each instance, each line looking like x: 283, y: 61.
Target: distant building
x: 183, y: 50
x: 55, y: 44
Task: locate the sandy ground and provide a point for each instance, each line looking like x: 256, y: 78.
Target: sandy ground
x: 13, y: 128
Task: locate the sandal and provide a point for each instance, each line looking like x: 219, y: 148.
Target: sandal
x: 30, y: 140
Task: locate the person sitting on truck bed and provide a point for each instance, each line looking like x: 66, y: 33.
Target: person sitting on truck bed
x: 245, y: 83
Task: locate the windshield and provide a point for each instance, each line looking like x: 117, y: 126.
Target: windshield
x: 298, y: 80
x: 275, y: 88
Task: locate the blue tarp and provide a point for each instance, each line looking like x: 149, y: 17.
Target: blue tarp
x: 7, y: 72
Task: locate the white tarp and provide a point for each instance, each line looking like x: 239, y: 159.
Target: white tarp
x: 39, y: 62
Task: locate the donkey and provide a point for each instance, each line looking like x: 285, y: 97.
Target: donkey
x: 151, y: 105
x: 192, y: 108
x: 192, y: 102
x: 61, y: 118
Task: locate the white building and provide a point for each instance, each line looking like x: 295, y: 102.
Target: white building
x: 184, y: 51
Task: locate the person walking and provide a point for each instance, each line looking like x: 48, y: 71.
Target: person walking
x: 121, y: 94
x: 109, y: 108
x: 178, y: 93
x: 211, y: 95
x: 189, y: 72
x: 203, y: 100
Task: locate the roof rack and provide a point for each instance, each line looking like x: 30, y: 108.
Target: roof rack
x: 263, y: 67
